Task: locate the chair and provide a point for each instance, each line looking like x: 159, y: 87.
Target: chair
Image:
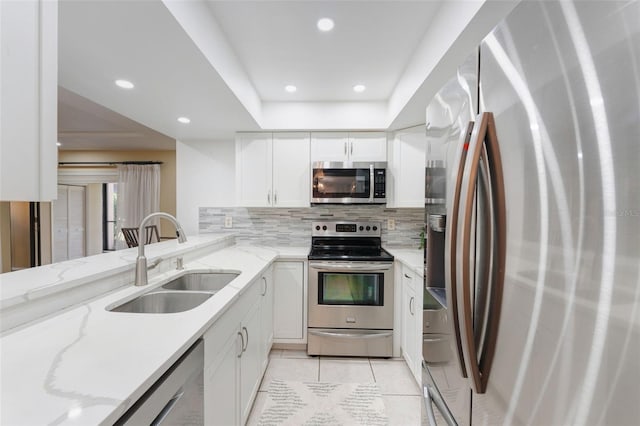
x: 131, y: 235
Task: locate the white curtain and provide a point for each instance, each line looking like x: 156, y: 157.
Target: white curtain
x: 138, y: 196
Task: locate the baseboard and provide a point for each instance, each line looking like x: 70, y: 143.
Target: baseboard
x: 290, y: 346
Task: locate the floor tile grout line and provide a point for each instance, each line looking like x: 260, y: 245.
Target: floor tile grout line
x: 401, y: 394
x: 372, y: 372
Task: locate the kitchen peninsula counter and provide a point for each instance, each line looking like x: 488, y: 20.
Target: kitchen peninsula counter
x: 86, y: 365
x: 413, y: 258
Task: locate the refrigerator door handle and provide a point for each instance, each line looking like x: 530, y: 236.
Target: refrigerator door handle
x: 484, y: 249
x: 451, y: 278
x: 479, y: 354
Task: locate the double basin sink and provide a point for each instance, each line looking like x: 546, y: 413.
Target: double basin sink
x: 181, y: 294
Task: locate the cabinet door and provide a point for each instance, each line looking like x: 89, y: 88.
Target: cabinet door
x: 221, y: 393
x: 29, y: 102
x: 291, y: 170
x: 329, y: 146
x: 407, y: 166
x: 253, y: 170
x: 368, y: 146
x: 250, y: 365
x: 266, y: 315
x: 410, y: 340
x: 289, y: 300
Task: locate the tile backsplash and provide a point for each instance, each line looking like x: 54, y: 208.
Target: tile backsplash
x: 292, y: 226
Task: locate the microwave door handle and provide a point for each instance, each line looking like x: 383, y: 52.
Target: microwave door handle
x: 371, y: 183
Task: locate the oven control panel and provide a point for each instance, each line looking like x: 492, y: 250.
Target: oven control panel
x: 345, y: 229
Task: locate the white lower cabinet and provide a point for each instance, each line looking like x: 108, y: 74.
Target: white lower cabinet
x: 290, y: 302
x: 221, y: 405
x: 250, y: 360
x: 266, y: 315
x: 236, y: 355
x: 411, y: 342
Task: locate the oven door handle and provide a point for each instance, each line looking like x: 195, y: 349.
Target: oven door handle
x: 351, y: 335
x: 352, y: 267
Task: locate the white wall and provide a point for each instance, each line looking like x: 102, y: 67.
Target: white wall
x: 205, y: 177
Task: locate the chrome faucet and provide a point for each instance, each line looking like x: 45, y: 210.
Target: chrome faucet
x: 141, y: 261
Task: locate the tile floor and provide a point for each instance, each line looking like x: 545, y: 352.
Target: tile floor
x: 401, y: 394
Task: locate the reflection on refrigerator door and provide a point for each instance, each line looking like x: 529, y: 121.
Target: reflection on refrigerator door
x: 559, y: 81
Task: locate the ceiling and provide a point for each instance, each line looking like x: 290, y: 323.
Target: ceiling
x: 278, y: 43
x: 224, y: 64
x: 86, y: 125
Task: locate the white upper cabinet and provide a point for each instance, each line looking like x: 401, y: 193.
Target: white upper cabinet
x: 368, y: 146
x: 254, y: 169
x: 406, y: 166
x: 273, y: 170
x: 291, y: 170
x: 352, y: 146
x: 329, y: 146
x: 28, y: 108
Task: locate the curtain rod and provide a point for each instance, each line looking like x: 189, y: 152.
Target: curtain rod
x: 105, y: 163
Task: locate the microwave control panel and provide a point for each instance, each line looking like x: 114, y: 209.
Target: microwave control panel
x: 379, y: 179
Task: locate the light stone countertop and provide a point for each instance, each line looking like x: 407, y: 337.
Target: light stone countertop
x: 413, y: 258
x: 87, y: 366
x: 29, y: 284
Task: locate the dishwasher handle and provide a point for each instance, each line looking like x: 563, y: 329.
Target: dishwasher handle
x: 167, y: 408
x: 179, y: 384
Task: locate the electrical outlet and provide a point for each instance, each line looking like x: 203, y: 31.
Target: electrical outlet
x: 228, y: 222
x: 391, y: 224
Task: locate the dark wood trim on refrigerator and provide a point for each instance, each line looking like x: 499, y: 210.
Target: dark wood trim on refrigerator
x: 453, y: 263
x: 479, y: 365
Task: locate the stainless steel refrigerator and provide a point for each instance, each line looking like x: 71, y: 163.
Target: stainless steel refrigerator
x: 542, y: 246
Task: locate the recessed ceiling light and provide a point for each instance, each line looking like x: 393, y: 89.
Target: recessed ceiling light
x: 58, y: 144
x: 125, y: 84
x: 325, y: 24
x: 290, y: 88
x: 359, y: 88
x: 184, y: 120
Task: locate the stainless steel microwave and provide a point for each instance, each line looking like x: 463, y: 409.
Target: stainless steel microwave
x: 349, y: 183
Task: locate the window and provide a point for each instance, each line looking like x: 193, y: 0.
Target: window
x: 109, y: 215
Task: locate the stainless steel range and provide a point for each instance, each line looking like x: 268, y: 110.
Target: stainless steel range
x: 350, y: 291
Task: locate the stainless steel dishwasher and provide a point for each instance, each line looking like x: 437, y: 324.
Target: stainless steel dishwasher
x: 177, y: 398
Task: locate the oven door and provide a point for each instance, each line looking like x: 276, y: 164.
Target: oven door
x: 351, y: 295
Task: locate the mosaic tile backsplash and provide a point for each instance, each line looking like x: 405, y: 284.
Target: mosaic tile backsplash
x: 292, y: 226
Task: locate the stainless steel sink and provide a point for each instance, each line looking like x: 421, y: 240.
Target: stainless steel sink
x: 163, y: 302
x: 201, y: 281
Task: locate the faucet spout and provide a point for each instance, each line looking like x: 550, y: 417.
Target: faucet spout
x: 141, y: 260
